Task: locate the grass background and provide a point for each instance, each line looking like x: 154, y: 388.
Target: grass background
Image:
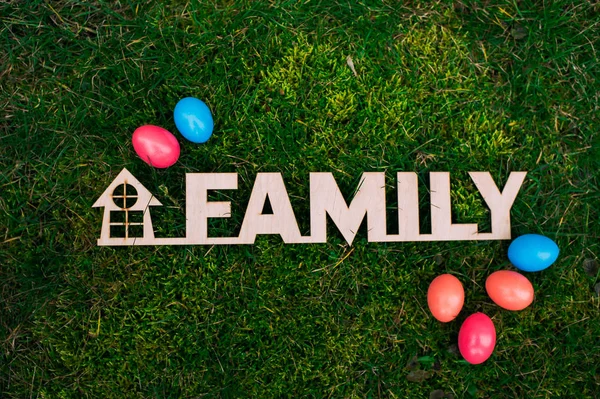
x: 439, y: 86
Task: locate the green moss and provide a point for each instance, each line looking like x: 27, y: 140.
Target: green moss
x: 439, y: 86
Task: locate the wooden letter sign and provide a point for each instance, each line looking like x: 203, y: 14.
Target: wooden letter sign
x: 127, y: 205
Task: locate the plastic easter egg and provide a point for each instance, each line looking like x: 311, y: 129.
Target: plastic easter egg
x: 509, y: 290
x: 477, y: 338
x: 445, y: 297
x: 532, y: 252
x: 156, y: 146
x: 193, y: 119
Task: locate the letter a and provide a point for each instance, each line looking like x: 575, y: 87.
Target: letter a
x: 282, y: 221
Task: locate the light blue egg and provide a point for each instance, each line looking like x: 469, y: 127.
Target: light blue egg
x: 532, y: 252
x: 193, y: 119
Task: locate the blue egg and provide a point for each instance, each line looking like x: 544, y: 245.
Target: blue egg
x: 532, y: 252
x: 193, y: 120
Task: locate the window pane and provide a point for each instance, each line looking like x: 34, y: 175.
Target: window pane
x: 117, y: 216
x: 136, y: 216
x: 136, y: 231
x: 117, y: 231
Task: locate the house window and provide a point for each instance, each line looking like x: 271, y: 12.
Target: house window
x: 126, y: 223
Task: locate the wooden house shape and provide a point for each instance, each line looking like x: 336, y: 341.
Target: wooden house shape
x: 122, y: 199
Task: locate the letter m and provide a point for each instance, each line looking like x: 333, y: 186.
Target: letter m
x: 326, y: 199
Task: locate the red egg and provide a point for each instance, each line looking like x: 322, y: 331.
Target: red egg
x: 156, y: 146
x: 477, y: 338
x: 445, y: 297
x: 510, y: 290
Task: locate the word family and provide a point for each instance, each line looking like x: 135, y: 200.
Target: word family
x: 127, y: 196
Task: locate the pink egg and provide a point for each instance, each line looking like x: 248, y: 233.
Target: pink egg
x: 156, y: 146
x: 477, y: 338
x: 510, y: 290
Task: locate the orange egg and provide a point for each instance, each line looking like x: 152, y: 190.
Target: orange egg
x: 445, y: 297
x: 510, y: 290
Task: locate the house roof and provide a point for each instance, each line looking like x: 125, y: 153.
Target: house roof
x: 125, y: 177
